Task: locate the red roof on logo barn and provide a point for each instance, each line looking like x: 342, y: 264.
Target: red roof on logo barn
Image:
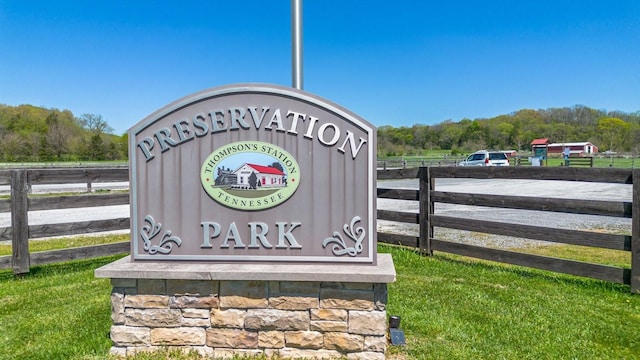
x: 266, y: 169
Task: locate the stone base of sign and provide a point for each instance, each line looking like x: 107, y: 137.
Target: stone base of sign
x: 220, y: 310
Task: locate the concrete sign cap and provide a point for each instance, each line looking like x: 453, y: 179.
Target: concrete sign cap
x: 253, y: 173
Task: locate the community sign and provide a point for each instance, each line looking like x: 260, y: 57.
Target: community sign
x: 253, y: 173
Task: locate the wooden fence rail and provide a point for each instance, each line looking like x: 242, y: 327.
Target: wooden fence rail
x: 21, y: 202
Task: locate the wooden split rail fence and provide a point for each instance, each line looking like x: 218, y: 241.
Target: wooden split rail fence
x: 21, y: 202
x: 427, y: 195
x: 586, y: 161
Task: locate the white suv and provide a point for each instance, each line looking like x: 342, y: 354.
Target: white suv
x: 486, y: 158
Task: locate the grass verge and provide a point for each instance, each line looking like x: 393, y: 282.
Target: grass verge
x: 461, y: 309
x: 451, y: 308
x: 58, y: 311
x: 67, y: 242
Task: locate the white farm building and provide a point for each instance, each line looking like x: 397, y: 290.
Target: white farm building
x: 267, y: 176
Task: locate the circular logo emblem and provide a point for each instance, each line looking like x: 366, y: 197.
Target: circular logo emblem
x: 250, y: 175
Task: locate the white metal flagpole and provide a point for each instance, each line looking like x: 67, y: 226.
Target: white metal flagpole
x: 296, y: 43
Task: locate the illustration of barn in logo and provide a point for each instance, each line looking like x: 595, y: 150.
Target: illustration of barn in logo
x: 250, y: 175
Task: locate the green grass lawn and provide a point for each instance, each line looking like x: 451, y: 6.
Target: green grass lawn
x: 58, y: 311
x: 67, y: 242
x: 461, y: 309
x: 451, y: 308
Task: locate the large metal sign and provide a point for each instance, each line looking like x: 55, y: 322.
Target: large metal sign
x: 253, y: 173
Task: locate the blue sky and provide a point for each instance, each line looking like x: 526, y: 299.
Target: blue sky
x: 394, y: 63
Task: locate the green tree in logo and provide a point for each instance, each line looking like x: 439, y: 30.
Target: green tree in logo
x: 278, y: 166
x: 253, y: 180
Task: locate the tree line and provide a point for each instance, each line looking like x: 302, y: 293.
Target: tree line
x: 614, y: 131
x: 35, y: 134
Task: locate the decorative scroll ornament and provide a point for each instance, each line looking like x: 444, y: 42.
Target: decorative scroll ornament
x: 150, y: 231
x: 340, y: 248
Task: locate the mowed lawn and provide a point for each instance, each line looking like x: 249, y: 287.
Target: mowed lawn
x: 451, y: 308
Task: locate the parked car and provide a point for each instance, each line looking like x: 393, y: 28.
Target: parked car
x: 486, y: 158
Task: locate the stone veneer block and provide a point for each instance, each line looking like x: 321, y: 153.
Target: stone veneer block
x: 381, y: 296
x: 130, y: 336
x: 117, y: 308
x: 347, y: 286
x: 272, y: 319
x: 375, y: 343
x: 232, y: 338
x: 146, y: 301
x: 192, y: 322
x: 196, y: 313
x: 125, y: 286
x: 294, y: 302
x: 343, y: 342
x: 124, y: 283
x: 231, y: 318
x: 271, y: 339
x: 192, y: 287
x: 346, y: 299
x: 196, y: 302
x: 294, y: 288
x: 329, y: 326
x: 152, y: 286
x: 178, y: 336
x: 243, y: 294
x: 329, y: 314
x: 153, y: 317
x: 368, y: 322
x: 304, y: 339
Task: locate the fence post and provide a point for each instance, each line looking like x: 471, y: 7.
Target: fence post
x: 426, y: 208
x: 635, y: 233
x: 19, y: 222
